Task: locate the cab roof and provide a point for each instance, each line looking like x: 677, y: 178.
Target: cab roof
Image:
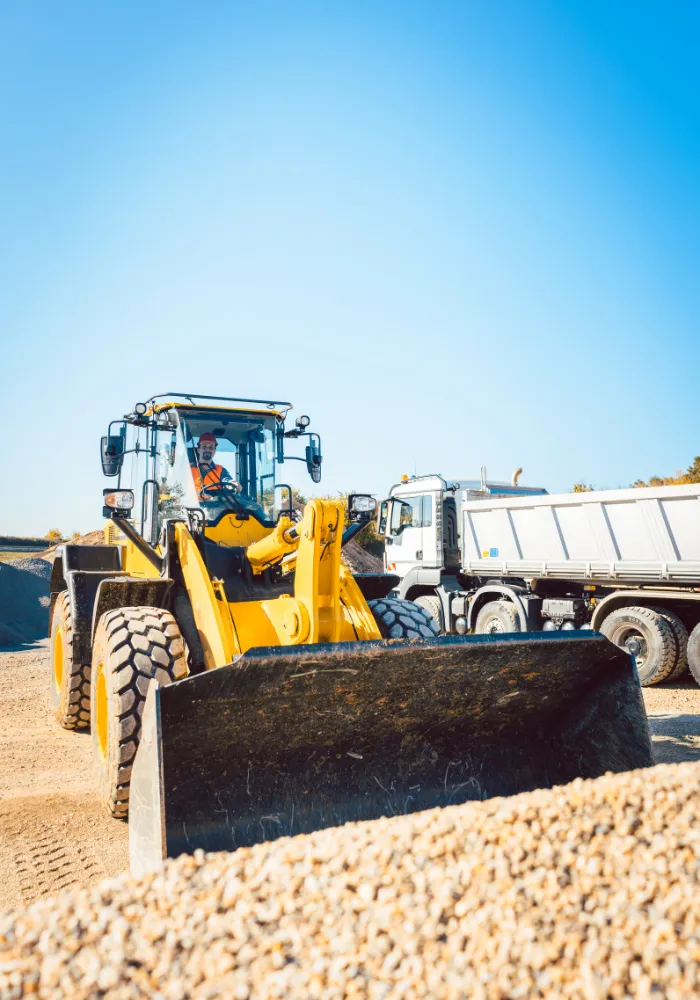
x: 182, y: 400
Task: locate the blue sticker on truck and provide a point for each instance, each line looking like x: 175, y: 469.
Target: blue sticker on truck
x: 493, y: 553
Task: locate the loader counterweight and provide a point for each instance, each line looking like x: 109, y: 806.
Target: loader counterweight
x: 287, y: 741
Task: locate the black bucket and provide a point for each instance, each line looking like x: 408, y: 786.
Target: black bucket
x: 287, y: 740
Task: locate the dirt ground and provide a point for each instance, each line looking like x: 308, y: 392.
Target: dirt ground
x: 53, y: 833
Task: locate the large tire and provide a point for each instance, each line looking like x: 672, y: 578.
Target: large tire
x: 497, y: 616
x: 132, y: 646
x: 402, y: 619
x: 70, y: 681
x: 432, y: 604
x: 649, y: 636
x: 694, y: 653
x: 680, y: 633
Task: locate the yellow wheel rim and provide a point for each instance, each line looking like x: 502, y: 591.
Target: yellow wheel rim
x: 101, y: 712
x: 58, y: 659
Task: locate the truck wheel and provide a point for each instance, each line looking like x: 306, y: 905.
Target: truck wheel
x: 497, y: 616
x: 432, y: 604
x: 694, y: 653
x: 645, y: 633
x: 402, y: 619
x: 132, y: 647
x: 680, y: 633
x: 70, y: 681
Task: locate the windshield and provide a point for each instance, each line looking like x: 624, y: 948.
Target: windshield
x: 217, y: 461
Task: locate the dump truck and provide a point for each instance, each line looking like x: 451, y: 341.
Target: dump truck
x: 497, y: 557
x: 242, y: 684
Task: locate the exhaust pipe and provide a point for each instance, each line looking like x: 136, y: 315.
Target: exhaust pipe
x: 516, y: 476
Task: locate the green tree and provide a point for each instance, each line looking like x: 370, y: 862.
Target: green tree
x: 691, y: 475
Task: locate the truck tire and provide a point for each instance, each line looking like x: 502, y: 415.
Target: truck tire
x: 649, y: 636
x: 70, y: 681
x: 432, y: 604
x: 497, y: 616
x: 132, y: 647
x: 402, y: 619
x: 681, y: 635
x: 694, y: 653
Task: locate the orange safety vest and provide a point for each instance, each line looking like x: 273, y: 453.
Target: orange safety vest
x: 212, y: 476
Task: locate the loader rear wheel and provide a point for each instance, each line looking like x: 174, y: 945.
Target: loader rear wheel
x: 70, y: 681
x: 402, y: 619
x: 680, y: 633
x: 649, y: 636
x: 431, y: 604
x: 497, y: 616
x: 132, y: 647
x: 694, y: 653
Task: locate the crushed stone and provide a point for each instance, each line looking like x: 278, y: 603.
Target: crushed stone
x: 588, y: 890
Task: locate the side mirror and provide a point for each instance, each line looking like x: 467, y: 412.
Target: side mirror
x: 314, y: 458
x: 361, y: 506
x: 112, y: 454
x: 383, y: 518
x: 283, y: 501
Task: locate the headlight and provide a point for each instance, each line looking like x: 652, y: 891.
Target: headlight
x: 119, y: 499
x: 361, y: 503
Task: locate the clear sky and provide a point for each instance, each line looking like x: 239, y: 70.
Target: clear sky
x: 455, y: 234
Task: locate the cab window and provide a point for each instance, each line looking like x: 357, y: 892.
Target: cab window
x: 411, y: 512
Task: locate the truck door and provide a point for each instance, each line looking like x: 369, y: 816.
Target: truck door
x: 405, y: 536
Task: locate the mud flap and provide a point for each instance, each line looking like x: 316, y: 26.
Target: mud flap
x: 286, y: 741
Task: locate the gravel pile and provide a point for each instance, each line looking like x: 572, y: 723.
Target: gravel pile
x: 24, y: 600
x: 589, y: 890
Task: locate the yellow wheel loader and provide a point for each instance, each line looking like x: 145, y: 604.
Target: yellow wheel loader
x: 241, y: 684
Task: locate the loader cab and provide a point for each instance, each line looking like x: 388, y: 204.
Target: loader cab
x: 231, y: 494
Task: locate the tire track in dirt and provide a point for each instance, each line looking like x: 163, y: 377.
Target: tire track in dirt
x: 53, y: 832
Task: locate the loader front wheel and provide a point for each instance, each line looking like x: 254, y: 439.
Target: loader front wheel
x: 645, y: 633
x: 497, y: 616
x: 70, y: 681
x: 132, y: 647
x: 403, y: 619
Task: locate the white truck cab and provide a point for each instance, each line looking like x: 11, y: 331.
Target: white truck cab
x: 420, y: 522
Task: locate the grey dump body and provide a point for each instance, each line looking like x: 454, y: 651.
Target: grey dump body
x: 290, y: 740
x: 547, y: 555
x: 632, y: 536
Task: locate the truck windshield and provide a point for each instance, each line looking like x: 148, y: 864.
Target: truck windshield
x: 219, y: 461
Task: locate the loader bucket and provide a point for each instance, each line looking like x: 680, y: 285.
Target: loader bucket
x: 290, y: 740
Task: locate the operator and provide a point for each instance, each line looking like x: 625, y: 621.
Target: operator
x: 208, y: 473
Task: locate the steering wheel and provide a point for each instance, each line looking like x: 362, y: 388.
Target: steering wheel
x: 223, y: 492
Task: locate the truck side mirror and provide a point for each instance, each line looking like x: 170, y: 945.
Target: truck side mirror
x: 314, y: 458
x: 112, y: 454
x: 383, y: 518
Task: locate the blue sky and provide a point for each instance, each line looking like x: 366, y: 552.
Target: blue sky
x: 455, y: 234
